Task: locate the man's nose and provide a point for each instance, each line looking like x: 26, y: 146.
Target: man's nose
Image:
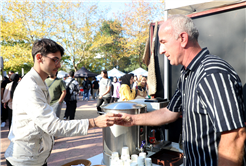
x: 162, y: 50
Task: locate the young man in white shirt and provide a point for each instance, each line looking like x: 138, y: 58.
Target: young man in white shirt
x: 34, y: 121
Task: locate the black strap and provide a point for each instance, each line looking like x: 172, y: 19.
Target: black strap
x: 70, y: 82
x: 52, y: 83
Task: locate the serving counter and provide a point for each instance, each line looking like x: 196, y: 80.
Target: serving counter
x: 173, y: 147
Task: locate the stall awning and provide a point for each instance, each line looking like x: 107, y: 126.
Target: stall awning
x: 191, y: 6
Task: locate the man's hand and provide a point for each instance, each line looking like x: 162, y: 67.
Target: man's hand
x: 126, y: 120
x: 105, y: 120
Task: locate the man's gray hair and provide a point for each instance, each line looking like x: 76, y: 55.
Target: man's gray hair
x: 182, y: 23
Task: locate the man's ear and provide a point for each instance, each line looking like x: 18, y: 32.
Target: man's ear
x: 38, y: 57
x: 184, y: 39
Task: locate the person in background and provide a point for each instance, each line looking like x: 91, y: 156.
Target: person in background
x: 57, y: 91
x: 140, y: 77
x: 120, y: 80
x: 142, y: 88
x: 209, y: 96
x: 116, y: 93
x: 8, y: 95
x: 34, y: 121
x: 86, y: 87
x: 104, y: 91
x: 95, y: 87
x: 126, y: 93
x: 4, y: 111
x: 135, y: 81
x: 65, y: 77
x: 74, y: 91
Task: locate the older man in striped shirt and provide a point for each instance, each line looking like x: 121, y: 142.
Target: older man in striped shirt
x: 208, y: 95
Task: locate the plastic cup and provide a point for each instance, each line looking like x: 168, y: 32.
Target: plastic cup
x: 134, y: 164
x: 125, y: 151
x: 113, y: 162
x: 142, y: 154
x: 125, y: 157
x: 140, y: 161
x: 134, y: 158
x: 148, y: 162
x: 120, y: 163
x: 127, y: 162
x: 115, y: 155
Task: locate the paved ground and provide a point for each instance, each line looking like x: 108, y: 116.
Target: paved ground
x: 69, y: 148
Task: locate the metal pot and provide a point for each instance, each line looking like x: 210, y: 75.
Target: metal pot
x: 116, y: 137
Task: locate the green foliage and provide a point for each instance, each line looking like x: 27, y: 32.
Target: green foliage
x: 81, y: 28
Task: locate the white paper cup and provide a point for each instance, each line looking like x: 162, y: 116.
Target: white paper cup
x: 142, y: 154
x: 134, y: 158
x: 113, y: 162
x: 125, y: 151
x: 115, y: 155
x: 140, y: 161
x: 125, y: 157
x: 120, y: 163
x: 148, y: 162
x: 127, y: 162
x: 134, y: 164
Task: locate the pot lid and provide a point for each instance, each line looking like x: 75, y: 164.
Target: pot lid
x: 123, y: 105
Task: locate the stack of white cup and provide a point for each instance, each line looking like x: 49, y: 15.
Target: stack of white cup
x: 125, y: 154
x: 148, y: 162
x: 114, y: 158
x: 125, y: 160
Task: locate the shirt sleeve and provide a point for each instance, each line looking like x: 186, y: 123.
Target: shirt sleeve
x: 62, y: 85
x: 42, y: 114
x: 6, y: 95
x: 221, y: 95
x: 109, y: 83
x: 175, y: 105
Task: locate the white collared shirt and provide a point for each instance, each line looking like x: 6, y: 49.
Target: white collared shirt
x: 34, y: 123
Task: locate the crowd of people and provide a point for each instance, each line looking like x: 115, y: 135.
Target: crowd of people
x: 127, y: 87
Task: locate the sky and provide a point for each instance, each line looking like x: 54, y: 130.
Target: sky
x: 117, y: 5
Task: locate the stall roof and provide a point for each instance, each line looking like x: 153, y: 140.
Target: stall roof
x: 192, y: 6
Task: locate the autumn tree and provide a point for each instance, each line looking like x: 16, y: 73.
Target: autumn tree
x: 21, y: 24
x: 111, y: 52
x: 77, y: 26
x: 71, y: 24
x: 135, y: 20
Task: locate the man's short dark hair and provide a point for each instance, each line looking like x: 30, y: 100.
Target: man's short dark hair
x: 11, y: 71
x: 105, y: 71
x: 45, y: 46
x: 71, y: 73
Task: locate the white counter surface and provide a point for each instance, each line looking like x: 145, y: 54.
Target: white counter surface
x: 97, y: 160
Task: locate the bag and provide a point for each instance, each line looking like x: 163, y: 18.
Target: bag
x: 89, y: 86
x: 85, y: 85
x: 96, y: 86
x: 68, y: 94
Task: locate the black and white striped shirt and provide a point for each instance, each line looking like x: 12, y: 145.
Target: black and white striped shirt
x: 209, y: 94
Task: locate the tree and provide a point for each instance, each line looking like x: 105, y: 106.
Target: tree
x: 135, y: 20
x: 72, y: 24
x: 21, y: 24
x: 77, y: 24
x: 112, y: 51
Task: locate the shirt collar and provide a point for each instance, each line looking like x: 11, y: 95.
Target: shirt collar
x: 196, y: 61
x: 36, y: 77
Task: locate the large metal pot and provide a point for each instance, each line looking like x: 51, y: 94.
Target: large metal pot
x: 116, y: 137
